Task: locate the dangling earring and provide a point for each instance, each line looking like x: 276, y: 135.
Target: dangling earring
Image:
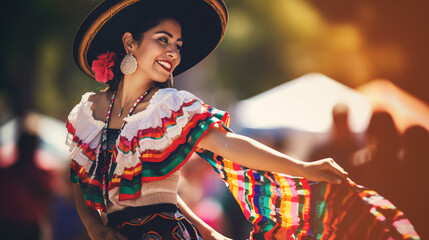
x: 128, y: 64
x: 171, y: 80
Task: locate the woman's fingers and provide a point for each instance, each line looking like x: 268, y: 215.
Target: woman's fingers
x: 333, y: 167
x: 329, y: 171
x: 326, y: 170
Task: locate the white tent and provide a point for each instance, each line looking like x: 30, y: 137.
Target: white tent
x: 304, y: 104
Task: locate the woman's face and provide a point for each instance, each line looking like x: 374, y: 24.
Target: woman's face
x: 158, y: 53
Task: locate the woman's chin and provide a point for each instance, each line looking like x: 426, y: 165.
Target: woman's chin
x: 160, y: 80
x: 164, y: 80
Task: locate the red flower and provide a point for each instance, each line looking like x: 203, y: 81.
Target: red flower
x: 102, y: 67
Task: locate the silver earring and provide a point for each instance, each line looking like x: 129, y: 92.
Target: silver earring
x: 128, y: 64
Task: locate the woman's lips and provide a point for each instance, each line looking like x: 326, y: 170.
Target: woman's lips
x: 164, y: 64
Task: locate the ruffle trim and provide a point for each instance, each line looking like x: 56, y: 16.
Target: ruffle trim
x: 83, y: 139
x: 153, y: 152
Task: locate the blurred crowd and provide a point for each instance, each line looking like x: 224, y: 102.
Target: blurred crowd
x: 393, y: 164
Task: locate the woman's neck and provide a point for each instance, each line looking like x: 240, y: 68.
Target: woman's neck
x: 131, y: 88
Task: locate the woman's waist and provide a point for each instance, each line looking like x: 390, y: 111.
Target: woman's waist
x: 147, y: 198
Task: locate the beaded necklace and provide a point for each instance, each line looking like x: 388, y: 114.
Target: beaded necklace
x: 105, y: 161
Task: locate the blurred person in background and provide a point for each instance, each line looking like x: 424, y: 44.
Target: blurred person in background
x: 25, y: 192
x: 376, y: 166
x: 342, y: 143
x: 414, y: 166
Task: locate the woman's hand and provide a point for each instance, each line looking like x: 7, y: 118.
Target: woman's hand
x: 105, y: 233
x: 326, y: 170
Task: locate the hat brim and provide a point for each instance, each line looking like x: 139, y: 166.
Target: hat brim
x: 203, y: 26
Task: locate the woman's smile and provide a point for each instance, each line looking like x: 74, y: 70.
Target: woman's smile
x: 165, y: 65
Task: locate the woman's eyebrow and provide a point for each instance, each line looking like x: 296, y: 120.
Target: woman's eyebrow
x: 170, y: 35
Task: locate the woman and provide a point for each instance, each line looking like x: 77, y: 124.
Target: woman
x: 128, y: 143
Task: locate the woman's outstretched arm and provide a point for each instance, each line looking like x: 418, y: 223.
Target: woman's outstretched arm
x: 92, y: 221
x: 252, y: 154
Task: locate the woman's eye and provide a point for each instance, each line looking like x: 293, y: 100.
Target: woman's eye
x: 163, y: 40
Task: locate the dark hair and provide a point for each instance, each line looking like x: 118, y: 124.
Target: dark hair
x: 138, y: 29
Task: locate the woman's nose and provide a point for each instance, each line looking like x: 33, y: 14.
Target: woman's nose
x: 173, y: 52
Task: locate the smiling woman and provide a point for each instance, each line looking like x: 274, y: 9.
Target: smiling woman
x: 127, y: 167
x: 127, y: 164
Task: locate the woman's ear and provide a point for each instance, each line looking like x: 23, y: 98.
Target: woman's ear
x: 128, y: 42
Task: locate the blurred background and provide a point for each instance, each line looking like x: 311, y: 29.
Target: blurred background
x: 313, y: 79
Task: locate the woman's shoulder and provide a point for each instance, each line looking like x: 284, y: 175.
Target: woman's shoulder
x: 90, y: 98
x: 95, y: 100
x: 100, y: 104
x: 98, y: 98
x: 90, y: 105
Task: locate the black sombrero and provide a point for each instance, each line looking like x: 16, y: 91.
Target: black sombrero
x: 203, y: 26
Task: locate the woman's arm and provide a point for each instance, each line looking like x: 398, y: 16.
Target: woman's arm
x: 206, y: 231
x: 92, y: 221
x: 252, y: 154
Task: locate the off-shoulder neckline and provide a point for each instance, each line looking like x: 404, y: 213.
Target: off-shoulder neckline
x: 130, y: 118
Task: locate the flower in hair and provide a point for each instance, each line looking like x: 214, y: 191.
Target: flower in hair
x: 103, y: 67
